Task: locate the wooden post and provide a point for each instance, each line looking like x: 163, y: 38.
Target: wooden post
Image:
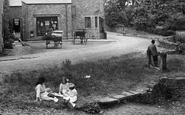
x: 163, y: 64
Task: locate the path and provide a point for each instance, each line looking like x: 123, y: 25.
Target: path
x: 122, y: 45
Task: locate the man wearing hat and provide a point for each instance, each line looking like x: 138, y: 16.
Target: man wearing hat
x: 152, y: 51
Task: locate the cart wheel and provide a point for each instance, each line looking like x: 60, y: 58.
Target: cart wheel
x: 46, y: 46
x: 74, y: 41
x: 55, y: 44
x: 61, y: 44
x: 85, y: 41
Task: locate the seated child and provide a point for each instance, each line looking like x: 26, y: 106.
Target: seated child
x: 68, y: 91
x: 71, y: 94
x: 63, y: 86
x: 42, y: 93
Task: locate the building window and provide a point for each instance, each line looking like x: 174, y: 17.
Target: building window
x: 73, y: 10
x: 96, y: 22
x: 87, y: 22
x: 46, y: 23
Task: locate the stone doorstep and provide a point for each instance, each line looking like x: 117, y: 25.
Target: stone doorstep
x: 107, y: 100
x: 118, y: 96
x: 127, y: 93
x: 136, y: 92
x: 114, y: 99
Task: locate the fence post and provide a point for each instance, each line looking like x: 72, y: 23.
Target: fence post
x: 163, y: 64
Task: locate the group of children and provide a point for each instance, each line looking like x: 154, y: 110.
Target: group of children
x: 67, y: 91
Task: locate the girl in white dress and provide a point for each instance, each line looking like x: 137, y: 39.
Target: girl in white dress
x: 42, y: 92
x: 71, y: 94
x: 68, y: 91
x: 63, y: 86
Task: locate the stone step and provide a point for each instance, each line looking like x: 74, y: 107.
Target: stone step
x: 127, y: 93
x: 107, y: 102
x: 118, y: 96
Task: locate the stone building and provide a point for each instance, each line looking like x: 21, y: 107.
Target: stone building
x: 1, y: 25
x: 39, y: 16
x: 35, y: 17
x: 15, y: 15
x: 89, y: 14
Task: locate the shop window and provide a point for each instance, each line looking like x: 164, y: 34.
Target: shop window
x: 46, y: 23
x: 87, y: 22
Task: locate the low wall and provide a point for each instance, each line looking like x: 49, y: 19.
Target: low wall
x: 118, y: 29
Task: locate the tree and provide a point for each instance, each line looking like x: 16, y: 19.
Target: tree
x: 115, y: 12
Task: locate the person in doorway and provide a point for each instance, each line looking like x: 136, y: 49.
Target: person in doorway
x: 152, y: 52
x: 43, y: 93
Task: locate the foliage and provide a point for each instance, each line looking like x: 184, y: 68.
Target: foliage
x: 147, y: 15
x: 115, y: 13
x: 168, y: 14
x: 113, y: 16
x: 7, y: 31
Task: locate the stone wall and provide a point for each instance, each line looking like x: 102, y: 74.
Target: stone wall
x: 87, y: 8
x: 15, y: 12
x: 1, y: 23
x: 75, y: 20
x: 30, y: 12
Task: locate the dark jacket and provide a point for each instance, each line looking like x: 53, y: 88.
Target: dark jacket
x: 152, y: 48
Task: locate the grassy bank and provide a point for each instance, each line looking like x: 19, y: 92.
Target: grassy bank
x: 110, y: 76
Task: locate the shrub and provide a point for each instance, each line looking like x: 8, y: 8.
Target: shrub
x: 8, y: 44
x: 161, y: 31
x: 179, y: 37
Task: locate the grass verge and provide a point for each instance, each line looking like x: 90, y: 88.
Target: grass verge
x: 108, y: 76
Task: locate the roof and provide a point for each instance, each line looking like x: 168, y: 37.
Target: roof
x: 15, y: 2
x: 19, y: 2
x: 46, y: 1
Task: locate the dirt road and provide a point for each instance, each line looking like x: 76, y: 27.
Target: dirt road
x: 121, y: 45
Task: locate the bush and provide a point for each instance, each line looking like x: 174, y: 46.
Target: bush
x: 8, y: 44
x: 9, y: 40
x: 180, y: 36
x: 163, y: 31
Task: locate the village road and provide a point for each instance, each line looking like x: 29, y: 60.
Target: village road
x: 121, y: 45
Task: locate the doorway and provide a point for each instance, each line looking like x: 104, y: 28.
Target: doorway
x: 101, y: 25
x: 16, y: 24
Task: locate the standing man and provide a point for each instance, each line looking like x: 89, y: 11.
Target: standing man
x: 152, y: 51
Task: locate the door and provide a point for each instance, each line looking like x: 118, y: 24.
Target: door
x: 101, y: 25
x: 16, y: 24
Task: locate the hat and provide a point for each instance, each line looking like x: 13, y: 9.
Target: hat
x: 70, y: 85
x: 64, y: 78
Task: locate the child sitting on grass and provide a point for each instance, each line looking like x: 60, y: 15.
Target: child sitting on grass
x: 63, y: 86
x: 71, y: 94
x: 68, y: 91
x: 43, y: 93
